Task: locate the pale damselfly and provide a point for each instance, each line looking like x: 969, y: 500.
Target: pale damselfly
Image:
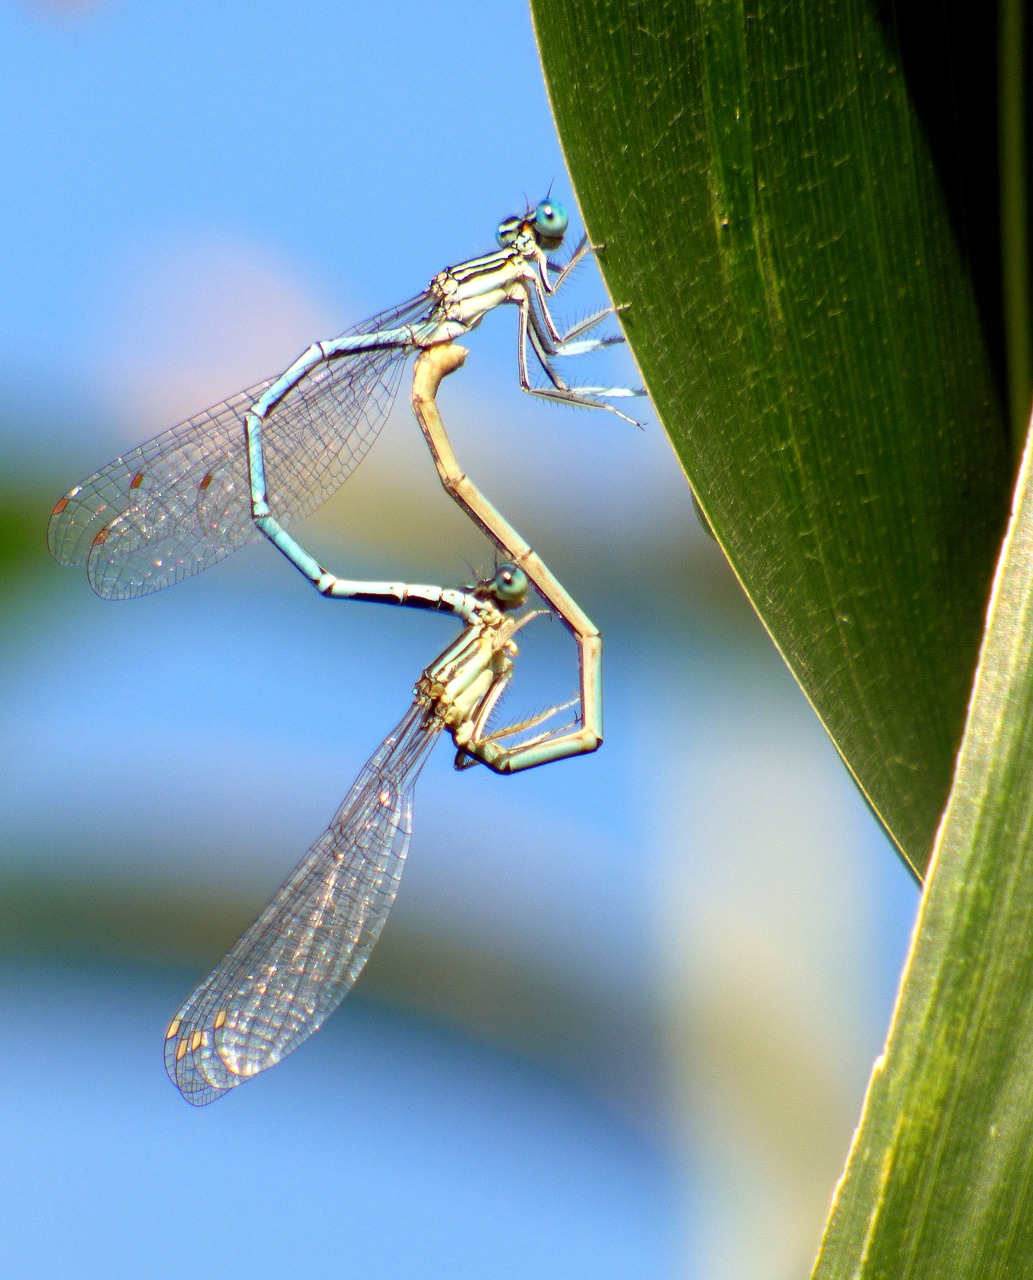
x: 268, y: 456
x: 297, y: 962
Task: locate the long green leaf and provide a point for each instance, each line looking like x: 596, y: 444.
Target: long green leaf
x: 939, y: 1181
x: 806, y: 331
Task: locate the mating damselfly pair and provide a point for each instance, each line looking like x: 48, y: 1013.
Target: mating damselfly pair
x: 265, y: 459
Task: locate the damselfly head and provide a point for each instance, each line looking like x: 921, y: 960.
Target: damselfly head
x: 550, y: 223
x: 546, y: 222
x: 506, y: 588
x: 509, y: 585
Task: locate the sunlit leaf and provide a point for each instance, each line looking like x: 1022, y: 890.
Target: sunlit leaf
x: 803, y: 322
x: 938, y: 1182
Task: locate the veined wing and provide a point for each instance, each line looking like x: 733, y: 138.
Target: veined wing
x: 182, y: 501
x: 300, y: 958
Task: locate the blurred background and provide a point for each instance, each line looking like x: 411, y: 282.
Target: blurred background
x: 621, y: 1020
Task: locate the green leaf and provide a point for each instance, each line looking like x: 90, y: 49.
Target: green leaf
x: 938, y: 1182
x: 807, y: 333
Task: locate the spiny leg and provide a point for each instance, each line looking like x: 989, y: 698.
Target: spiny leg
x: 576, y: 258
x: 549, y: 330
x: 484, y: 743
x: 563, y: 344
x: 541, y: 287
x: 586, y: 397
x: 548, y: 342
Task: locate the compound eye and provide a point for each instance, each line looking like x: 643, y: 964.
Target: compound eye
x: 550, y: 220
x: 510, y: 584
x: 509, y: 229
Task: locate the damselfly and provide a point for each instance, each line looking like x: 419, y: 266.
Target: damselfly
x: 267, y: 457
x: 297, y: 962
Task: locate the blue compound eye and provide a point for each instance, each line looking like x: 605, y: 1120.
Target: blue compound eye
x: 510, y: 585
x: 509, y: 229
x: 550, y: 220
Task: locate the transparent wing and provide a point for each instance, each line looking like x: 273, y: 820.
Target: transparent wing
x: 300, y: 958
x: 182, y: 501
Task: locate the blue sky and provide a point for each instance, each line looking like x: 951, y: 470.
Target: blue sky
x: 366, y: 145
